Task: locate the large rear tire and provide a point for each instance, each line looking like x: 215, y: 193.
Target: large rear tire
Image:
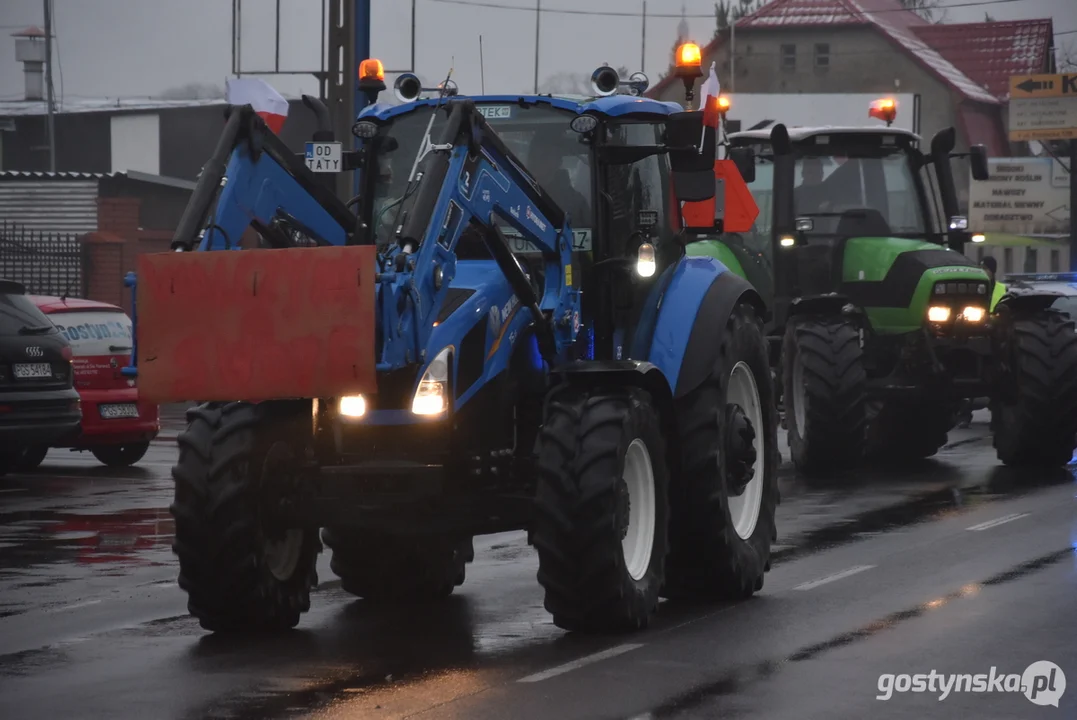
x: 725, y: 494
x: 824, y: 391
x: 1035, y: 415
x: 397, y: 569
x: 238, y: 463
x: 602, y: 509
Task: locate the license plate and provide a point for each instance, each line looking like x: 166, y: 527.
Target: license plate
x: 32, y: 370
x: 325, y: 156
x: 125, y: 410
x: 581, y: 242
x: 496, y: 112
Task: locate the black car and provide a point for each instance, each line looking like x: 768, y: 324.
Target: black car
x: 38, y: 401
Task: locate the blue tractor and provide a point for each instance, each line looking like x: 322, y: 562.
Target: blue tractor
x: 501, y: 331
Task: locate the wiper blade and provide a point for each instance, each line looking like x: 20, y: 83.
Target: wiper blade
x: 35, y: 329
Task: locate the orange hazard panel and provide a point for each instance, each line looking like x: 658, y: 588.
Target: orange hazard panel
x: 740, y: 210
x: 256, y: 324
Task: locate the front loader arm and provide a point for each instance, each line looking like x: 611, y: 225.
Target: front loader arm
x: 470, y: 178
x: 253, y: 178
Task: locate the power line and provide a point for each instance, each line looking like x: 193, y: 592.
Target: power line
x: 625, y: 13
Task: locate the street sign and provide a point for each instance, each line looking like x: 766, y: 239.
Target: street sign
x: 1043, y: 107
x: 325, y: 157
x: 1023, y: 196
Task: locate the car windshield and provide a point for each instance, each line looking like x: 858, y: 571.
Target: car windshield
x: 870, y: 192
x: 538, y: 135
x: 19, y: 316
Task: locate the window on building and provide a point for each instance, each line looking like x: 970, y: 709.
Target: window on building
x: 789, y: 57
x: 1007, y: 260
x: 1056, y: 261
x: 1030, y: 260
x: 822, y: 55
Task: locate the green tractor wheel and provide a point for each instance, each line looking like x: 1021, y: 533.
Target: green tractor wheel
x: 825, y: 401
x: 1035, y: 417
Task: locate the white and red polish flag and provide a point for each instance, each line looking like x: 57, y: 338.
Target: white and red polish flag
x: 708, y: 99
x: 260, y: 95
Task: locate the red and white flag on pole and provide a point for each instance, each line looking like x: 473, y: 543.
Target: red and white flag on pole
x: 708, y: 99
x: 260, y: 95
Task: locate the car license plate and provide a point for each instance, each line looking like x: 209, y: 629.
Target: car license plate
x: 496, y: 112
x: 325, y: 156
x: 32, y: 370
x: 125, y: 410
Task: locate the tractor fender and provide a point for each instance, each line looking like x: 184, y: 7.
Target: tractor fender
x: 1026, y: 302
x: 687, y: 333
x: 829, y: 304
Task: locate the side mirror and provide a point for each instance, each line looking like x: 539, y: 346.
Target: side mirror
x: 943, y: 143
x: 693, y: 170
x: 978, y: 162
x: 744, y: 159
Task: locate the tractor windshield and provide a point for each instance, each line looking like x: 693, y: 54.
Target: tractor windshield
x: 868, y: 192
x: 538, y: 135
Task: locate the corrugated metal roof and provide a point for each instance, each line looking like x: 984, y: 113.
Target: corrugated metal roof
x: 27, y: 108
x: 66, y: 205
x: 990, y: 52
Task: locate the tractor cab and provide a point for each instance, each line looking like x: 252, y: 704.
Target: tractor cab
x: 831, y: 198
x: 605, y: 160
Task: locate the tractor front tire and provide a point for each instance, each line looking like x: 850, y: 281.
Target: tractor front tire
x: 726, y: 493
x: 383, y: 568
x: 1035, y: 420
x: 602, y: 509
x: 241, y: 573
x: 825, y: 395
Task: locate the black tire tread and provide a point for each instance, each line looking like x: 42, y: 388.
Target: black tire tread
x: 1040, y: 429
x: 217, y: 537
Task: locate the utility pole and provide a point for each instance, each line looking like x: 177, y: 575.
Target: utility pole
x: 48, y: 85
x: 538, y: 16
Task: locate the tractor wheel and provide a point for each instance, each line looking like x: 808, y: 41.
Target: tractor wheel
x: 242, y: 568
x: 902, y: 432
x: 825, y: 403
x: 120, y: 455
x: 726, y: 491
x: 379, y: 567
x: 1035, y: 417
x: 602, y: 510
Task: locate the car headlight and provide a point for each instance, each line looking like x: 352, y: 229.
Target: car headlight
x: 432, y: 395
x: 938, y: 313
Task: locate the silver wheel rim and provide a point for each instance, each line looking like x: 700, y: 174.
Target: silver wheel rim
x: 282, y: 557
x: 638, y: 541
x: 743, y: 391
x: 800, y: 395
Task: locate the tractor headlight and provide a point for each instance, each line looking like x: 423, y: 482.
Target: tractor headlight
x: 938, y: 313
x: 351, y: 406
x: 973, y: 314
x: 645, y: 264
x: 432, y: 395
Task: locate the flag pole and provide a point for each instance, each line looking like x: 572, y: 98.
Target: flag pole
x: 702, y: 107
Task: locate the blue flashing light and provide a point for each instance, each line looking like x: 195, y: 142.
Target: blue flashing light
x: 591, y: 342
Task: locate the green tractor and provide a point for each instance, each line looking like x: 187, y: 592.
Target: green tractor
x: 879, y: 325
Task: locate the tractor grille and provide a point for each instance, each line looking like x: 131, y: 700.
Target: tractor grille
x: 959, y: 290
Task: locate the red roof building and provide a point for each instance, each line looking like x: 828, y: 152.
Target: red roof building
x: 961, y: 72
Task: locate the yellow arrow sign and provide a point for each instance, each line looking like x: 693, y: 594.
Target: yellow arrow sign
x: 1058, y: 85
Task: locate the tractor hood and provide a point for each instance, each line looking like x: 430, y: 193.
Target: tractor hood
x: 894, y: 278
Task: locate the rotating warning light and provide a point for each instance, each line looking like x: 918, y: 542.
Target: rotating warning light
x: 884, y: 109
x: 371, y: 69
x: 723, y: 104
x: 689, y: 60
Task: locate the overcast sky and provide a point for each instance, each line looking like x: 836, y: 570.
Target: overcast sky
x: 110, y: 48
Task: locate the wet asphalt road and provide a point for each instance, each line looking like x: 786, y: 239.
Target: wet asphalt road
x: 956, y: 565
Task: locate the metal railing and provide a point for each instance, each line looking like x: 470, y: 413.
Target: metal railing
x: 46, y: 263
